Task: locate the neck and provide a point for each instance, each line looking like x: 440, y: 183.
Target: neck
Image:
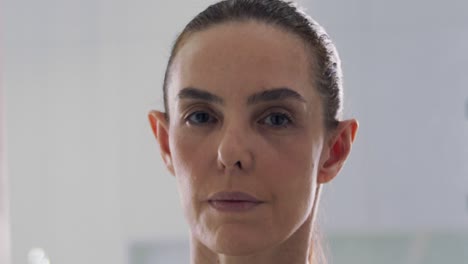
x: 294, y: 250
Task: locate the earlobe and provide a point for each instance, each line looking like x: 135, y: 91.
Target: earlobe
x: 160, y: 126
x: 337, y: 150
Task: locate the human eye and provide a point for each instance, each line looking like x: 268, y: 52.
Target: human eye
x: 277, y: 120
x: 200, y: 118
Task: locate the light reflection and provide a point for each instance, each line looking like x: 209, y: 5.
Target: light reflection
x: 37, y: 256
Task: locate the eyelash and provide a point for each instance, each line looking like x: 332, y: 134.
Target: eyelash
x: 187, y: 119
x: 213, y: 120
x: 284, y: 115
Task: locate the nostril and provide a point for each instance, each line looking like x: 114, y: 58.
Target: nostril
x: 239, y: 164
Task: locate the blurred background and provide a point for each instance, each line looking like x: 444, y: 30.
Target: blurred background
x: 86, y: 183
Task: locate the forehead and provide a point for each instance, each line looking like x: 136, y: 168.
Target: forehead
x: 239, y: 58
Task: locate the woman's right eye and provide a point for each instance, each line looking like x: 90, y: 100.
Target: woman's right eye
x: 200, y: 118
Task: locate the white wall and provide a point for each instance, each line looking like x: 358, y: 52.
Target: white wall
x: 405, y: 75
x: 85, y: 172
x: 4, y: 195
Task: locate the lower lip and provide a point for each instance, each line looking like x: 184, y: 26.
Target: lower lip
x: 233, y: 206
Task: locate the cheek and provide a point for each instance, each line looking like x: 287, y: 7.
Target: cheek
x: 184, y: 159
x: 191, y: 157
x: 290, y: 173
x: 191, y: 152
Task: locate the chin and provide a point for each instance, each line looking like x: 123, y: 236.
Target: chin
x: 233, y: 241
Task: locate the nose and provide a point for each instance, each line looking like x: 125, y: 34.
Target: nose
x: 234, y: 150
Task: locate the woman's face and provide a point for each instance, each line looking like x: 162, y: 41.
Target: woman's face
x: 244, y: 116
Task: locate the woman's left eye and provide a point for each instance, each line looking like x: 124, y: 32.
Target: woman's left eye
x: 277, y: 120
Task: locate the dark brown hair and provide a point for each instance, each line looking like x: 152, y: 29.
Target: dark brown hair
x: 286, y: 15
x: 325, y: 62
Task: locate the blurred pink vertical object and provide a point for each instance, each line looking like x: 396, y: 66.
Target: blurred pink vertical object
x: 4, y: 210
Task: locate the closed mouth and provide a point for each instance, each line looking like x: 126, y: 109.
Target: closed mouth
x: 233, y: 197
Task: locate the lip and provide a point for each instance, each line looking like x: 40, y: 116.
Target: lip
x: 233, y: 197
x: 234, y: 202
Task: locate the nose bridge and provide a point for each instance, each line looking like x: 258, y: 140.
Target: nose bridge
x: 234, y: 149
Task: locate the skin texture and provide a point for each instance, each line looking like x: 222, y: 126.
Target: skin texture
x: 275, y: 149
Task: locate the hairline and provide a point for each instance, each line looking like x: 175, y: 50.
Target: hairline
x: 309, y: 49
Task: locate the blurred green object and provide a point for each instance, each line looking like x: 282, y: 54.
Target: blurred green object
x: 394, y: 248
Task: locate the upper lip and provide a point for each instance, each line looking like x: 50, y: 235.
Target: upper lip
x: 233, y: 196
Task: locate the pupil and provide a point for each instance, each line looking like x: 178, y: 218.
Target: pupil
x: 277, y: 119
x: 201, y: 117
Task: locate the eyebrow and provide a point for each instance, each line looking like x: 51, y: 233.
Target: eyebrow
x: 274, y: 94
x: 197, y: 94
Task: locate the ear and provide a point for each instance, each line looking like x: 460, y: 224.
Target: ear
x: 336, y: 150
x: 160, y: 126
